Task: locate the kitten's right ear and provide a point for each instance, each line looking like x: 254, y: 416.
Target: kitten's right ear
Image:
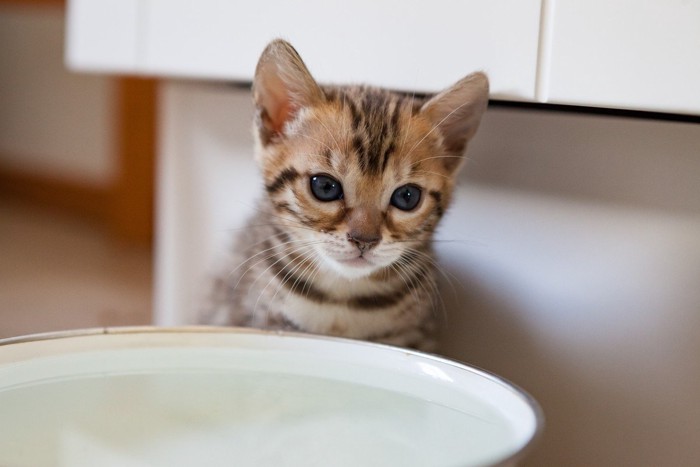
x: 282, y: 86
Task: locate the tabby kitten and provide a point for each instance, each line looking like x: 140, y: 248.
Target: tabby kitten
x: 356, y: 179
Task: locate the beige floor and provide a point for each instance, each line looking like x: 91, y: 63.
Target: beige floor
x: 57, y: 272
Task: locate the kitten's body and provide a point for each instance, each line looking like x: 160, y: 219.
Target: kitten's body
x: 356, y: 181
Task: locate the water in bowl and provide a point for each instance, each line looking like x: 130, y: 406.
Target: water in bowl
x: 236, y: 418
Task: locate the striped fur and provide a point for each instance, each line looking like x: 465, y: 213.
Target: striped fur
x: 358, y: 266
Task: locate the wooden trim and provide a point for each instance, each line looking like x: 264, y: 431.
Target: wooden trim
x: 82, y: 199
x: 125, y: 207
x: 54, y: 3
x: 131, y: 216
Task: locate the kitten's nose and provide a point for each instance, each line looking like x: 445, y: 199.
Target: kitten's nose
x: 363, y: 242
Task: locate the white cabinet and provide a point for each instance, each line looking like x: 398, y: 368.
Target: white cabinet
x: 629, y: 54
x: 402, y: 44
x: 637, y: 54
x: 104, y: 35
x: 408, y: 45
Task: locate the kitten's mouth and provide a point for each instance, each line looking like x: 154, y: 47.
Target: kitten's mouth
x: 356, y: 262
x: 353, y: 267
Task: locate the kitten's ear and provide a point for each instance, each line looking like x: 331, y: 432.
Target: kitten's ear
x: 456, y: 112
x: 281, y: 87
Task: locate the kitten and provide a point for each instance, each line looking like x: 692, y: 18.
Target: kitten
x: 356, y: 179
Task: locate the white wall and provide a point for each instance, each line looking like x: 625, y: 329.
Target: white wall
x: 52, y: 122
x: 206, y: 184
x: 573, y: 249
x: 594, y: 308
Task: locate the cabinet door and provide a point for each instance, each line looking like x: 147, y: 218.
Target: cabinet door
x: 102, y: 35
x: 403, y: 44
x: 636, y: 54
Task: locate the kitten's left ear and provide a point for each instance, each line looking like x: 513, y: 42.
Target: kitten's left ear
x: 282, y: 86
x: 456, y: 113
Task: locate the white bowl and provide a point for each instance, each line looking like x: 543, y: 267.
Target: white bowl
x: 221, y: 396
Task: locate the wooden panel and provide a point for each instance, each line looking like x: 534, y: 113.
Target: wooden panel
x: 408, y: 45
x: 88, y: 201
x: 636, y: 54
x: 132, y: 210
x: 125, y: 206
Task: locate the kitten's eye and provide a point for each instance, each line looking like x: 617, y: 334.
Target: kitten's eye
x: 326, y: 188
x: 406, y: 197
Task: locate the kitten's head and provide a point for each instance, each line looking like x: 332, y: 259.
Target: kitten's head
x: 358, y: 177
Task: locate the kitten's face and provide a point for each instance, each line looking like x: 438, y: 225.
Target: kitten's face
x: 357, y: 177
x: 363, y: 194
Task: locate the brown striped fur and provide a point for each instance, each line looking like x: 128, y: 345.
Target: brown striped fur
x: 358, y: 266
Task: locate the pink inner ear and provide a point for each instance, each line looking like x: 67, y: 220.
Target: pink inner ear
x: 276, y: 104
x: 283, y: 113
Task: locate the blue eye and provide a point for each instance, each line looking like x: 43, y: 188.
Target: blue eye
x: 325, y: 188
x: 406, y: 197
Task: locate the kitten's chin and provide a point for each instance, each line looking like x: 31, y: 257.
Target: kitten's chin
x: 354, y: 268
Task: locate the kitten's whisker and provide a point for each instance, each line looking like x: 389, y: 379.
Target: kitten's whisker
x: 465, y: 241
x: 270, y: 256
x: 269, y: 237
x: 411, y: 270
x: 432, y: 173
x: 266, y: 211
x: 300, y: 278
x: 301, y: 258
x: 291, y: 273
x: 328, y: 131
x: 432, y: 292
x: 315, y: 139
x: 248, y: 226
x: 403, y: 274
x: 411, y: 263
x: 309, y: 263
x: 283, y: 257
x: 435, y: 157
x: 312, y: 277
x: 409, y: 266
x: 305, y: 281
x: 436, y: 265
x: 297, y: 224
x: 262, y: 252
x: 247, y: 260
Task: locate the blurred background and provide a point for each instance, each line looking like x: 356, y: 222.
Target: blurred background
x: 573, y: 245
x: 76, y: 183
